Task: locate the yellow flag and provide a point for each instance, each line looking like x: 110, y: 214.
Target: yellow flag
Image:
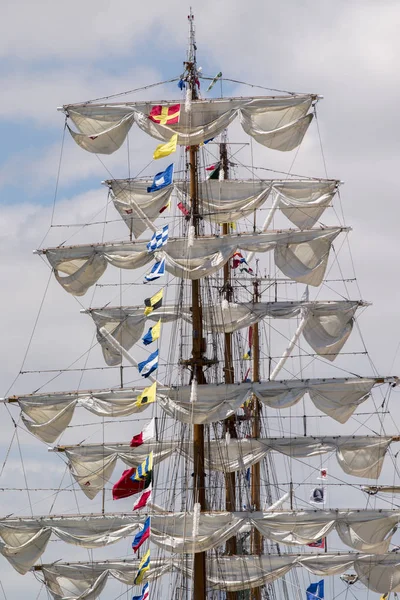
x: 156, y: 330
x: 147, y: 396
x: 166, y: 149
x: 153, y: 303
x: 143, y: 568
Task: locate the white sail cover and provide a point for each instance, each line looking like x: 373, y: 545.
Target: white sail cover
x: 92, y: 465
x: 137, y: 207
x: 362, y: 530
x: 48, y: 415
x: 127, y: 326
x: 86, y: 581
x: 379, y: 572
x: 227, y: 201
x: 300, y: 255
x: 302, y: 201
x: 25, y: 539
x: 328, y: 324
x: 279, y: 123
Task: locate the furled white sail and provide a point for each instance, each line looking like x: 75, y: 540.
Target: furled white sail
x: 362, y: 530
x: 300, y: 255
x: 138, y: 207
x: 50, y: 414
x: 328, y: 324
x: 92, y: 465
x: 334, y: 397
x: 279, y: 123
x: 379, y: 572
x: 302, y: 201
x: 227, y: 200
x: 127, y: 325
x: 25, y: 539
x: 87, y: 580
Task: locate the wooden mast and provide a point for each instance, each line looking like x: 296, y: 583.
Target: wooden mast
x: 255, y: 538
x: 229, y: 425
x: 198, y: 345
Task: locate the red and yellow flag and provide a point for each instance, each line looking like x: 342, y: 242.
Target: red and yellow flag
x: 165, y: 115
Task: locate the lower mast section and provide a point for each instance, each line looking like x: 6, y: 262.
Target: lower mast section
x: 229, y: 424
x: 256, y: 539
x: 199, y: 565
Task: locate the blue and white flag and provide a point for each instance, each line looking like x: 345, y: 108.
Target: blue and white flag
x: 144, y: 595
x: 149, y: 365
x: 315, y: 591
x: 161, y: 180
x: 156, y: 272
x: 159, y: 239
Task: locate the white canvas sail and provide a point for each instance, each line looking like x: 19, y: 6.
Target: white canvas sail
x: 48, y: 415
x: 279, y: 123
x: 300, y: 255
x: 92, y: 465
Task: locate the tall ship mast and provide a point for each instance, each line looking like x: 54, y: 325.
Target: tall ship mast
x: 236, y: 446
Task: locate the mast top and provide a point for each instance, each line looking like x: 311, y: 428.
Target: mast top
x: 191, y: 54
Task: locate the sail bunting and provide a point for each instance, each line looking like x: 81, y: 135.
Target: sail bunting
x: 48, y: 415
x: 302, y: 201
x: 300, y: 255
x: 279, y: 123
x: 328, y: 324
x: 379, y: 572
x: 25, y: 539
x: 92, y: 465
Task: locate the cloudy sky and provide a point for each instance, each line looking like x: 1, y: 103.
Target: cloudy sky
x: 52, y: 55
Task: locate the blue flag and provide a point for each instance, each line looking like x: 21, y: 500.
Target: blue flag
x: 161, y: 180
x: 156, y: 272
x: 142, y: 536
x: 153, y: 334
x: 315, y: 591
x: 159, y: 239
x: 146, y: 367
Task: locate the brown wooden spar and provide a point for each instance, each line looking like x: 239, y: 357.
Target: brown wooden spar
x: 230, y: 478
x: 198, y: 344
x: 256, y: 539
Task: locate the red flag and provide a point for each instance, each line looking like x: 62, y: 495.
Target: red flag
x: 165, y: 115
x: 148, y: 433
x: 183, y: 209
x: 165, y: 207
x: 250, y: 336
x: 126, y: 487
x: 237, y: 259
x: 318, y: 544
x: 144, y: 498
x: 211, y: 168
